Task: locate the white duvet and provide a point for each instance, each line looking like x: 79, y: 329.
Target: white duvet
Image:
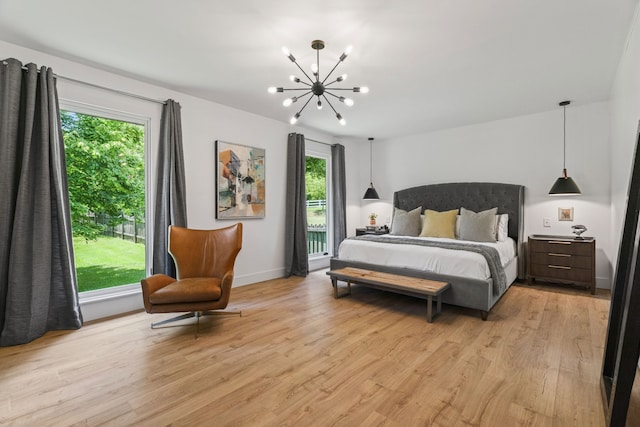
x: 437, y: 260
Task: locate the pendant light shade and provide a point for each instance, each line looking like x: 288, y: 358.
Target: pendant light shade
x: 564, y: 186
x: 371, y: 193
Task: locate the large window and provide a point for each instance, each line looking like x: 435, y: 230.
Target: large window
x: 317, y: 178
x: 106, y: 175
x: 316, y: 181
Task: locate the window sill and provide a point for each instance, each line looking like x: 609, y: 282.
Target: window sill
x: 109, y: 293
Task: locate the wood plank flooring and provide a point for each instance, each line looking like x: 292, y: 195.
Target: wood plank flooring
x: 299, y: 357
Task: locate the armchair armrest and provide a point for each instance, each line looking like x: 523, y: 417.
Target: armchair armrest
x: 152, y: 284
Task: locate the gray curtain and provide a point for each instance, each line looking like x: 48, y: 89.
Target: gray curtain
x: 296, y: 253
x: 339, y: 196
x: 171, y: 202
x: 38, y: 285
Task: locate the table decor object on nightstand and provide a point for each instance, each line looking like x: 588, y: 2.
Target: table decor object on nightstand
x: 372, y: 230
x: 562, y: 259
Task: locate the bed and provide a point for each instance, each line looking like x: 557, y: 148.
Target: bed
x: 467, y: 289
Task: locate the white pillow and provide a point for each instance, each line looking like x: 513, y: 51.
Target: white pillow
x: 502, y: 227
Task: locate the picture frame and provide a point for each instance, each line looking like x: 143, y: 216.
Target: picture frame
x: 240, y: 181
x: 565, y: 214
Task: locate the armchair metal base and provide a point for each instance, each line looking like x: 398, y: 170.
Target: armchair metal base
x: 197, y: 315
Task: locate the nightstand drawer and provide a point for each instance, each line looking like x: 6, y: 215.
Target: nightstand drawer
x: 562, y: 259
x: 561, y: 272
x: 560, y: 246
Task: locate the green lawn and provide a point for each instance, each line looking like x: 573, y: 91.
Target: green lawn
x: 108, y: 262
x: 316, y: 216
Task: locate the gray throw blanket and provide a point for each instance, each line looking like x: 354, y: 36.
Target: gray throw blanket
x: 490, y: 254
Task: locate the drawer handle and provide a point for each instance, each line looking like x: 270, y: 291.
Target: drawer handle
x: 560, y: 267
x: 556, y: 242
x: 554, y: 254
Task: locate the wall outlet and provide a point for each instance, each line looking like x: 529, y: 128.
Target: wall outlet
x: 546, y: 222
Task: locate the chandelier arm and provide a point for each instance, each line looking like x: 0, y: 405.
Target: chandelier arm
x: 332, y: 70
x: 342, y: 88
x: 329, y: 93
x: 318, y: 64
x: 296, y: 88
x: 326, y: 99
x: 303, y: 71
x: 305, y: 104
x: 304, y: 83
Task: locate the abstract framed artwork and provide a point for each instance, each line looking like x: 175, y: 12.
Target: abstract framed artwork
x: 240, y: 181
x: 565, y: 214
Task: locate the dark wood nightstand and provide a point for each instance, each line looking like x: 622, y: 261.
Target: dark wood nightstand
x: 562, y: 259
x: 363, y: 230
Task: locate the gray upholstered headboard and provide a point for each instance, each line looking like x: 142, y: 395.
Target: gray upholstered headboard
x: 477, y: 196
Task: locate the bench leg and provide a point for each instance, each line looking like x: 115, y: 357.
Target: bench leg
x: 430, y: 309
x: 334, y: 283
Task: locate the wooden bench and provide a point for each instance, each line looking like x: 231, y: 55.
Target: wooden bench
x: 419, y: 288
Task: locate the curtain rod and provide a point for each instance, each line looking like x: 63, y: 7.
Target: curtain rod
x: 319, y: 142
x: 121, y: 92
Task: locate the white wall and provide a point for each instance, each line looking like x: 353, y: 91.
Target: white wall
x: 524, y: 150
x: 625, y: 117
x: 203, y: 122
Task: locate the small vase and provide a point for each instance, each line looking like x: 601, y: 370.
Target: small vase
x: 372, y: 222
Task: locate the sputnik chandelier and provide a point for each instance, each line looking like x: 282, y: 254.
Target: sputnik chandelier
x: 315, y: 86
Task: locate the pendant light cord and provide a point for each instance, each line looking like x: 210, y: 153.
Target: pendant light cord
x: 371, y: 162
x: 564, y: 136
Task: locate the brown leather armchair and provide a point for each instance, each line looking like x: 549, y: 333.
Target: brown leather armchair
x: 204, y: 265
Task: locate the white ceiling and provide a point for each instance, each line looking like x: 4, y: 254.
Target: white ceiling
x: 430, y: 64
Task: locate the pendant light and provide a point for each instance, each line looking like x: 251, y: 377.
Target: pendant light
x: 564, y: 186
x: 371, y: 193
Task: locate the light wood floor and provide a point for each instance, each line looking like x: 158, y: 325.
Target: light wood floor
x: 299, y: 357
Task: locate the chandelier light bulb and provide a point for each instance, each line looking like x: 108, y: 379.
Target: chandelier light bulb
x: 348, y: 102
x: 289, y: 101
x: 364, y: 89
x: 272, y: 89
x: 285, y: 51
x: 341, y: 78
x: 294, y: 119
x: 314, y: 68
x: 319, y: 105
x: 346, y: 53
x: 294, y: 79
x: 341, y: 119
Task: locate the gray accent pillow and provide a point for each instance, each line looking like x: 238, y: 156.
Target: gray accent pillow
x: 406, y: 223
x: 478, y: 227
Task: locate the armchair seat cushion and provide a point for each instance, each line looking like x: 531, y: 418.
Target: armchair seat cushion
x: 197, y: 289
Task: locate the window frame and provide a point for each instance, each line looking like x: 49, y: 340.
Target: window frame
x: 146, y: 122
